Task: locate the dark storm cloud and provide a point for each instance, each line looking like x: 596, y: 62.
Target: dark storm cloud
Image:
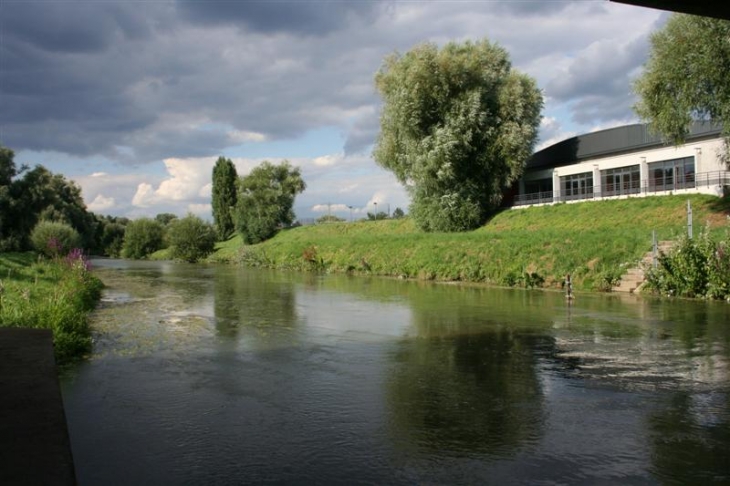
x: 602, y: 68
x: 531, y: 8
x: 141, y: 81
x: 72, y: 26
x: 292, y: 16
x: 363, y: 134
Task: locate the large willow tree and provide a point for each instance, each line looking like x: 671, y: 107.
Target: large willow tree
x: 687, y: 77
x: 457, y: 127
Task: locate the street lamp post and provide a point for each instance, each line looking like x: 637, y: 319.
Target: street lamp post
x: 350, y: 213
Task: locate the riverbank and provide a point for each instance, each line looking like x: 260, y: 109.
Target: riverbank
x: 594, y: 242
x: 50, y: 294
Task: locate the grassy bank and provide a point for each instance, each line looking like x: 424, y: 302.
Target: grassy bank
x: 53, y: 294
x: 593, y: 241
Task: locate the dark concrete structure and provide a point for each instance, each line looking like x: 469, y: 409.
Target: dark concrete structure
x: 719, y: 10
x: 34, y: 442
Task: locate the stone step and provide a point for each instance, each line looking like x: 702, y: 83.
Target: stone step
x: 634, y: 277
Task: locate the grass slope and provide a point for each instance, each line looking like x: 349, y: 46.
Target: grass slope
x: 593, y: 241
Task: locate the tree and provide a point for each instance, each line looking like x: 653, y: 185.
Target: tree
x: 224, y: 197
x: 7, y: 172
x: 456, y: 129
x: 329, y: 218
x: 398, y: 213
x: 142, y: 237
x: 265, y: 200
x: 40, y: 195
x: 165, y: 218
x: 190, y: 238
x: 377, y: 216
x: 53, y: 238
x: 686, y: 77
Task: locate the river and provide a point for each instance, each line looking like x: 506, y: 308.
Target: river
x: 223, y: 375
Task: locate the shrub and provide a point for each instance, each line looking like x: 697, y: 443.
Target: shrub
x: 694, y: 268
x: 191, y: 239
x: 329, y: 218
x: 142, y: 237
x: 52, y: 238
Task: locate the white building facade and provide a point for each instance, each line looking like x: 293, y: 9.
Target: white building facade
x: 624, y: 162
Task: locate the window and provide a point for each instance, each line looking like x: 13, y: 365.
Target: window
x: 577, y: 186
x: 624, y: 180
x: 669, y: 175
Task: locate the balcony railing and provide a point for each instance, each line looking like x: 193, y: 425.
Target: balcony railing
x: 690, y: 181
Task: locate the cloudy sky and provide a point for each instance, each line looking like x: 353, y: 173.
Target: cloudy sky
x: 135, y: 100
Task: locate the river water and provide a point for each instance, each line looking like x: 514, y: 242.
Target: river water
x: 222, y: 375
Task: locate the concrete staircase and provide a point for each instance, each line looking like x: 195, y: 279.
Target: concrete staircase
x: 634, y: 277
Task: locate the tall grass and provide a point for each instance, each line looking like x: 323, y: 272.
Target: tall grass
x: 55, y: 294
x: 594, y: 242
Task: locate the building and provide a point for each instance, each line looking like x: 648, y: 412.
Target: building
x: 621, y: 162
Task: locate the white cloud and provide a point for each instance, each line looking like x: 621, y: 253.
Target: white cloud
x: 101, y: 203
x: 145, y: 196
x: 327, y: 160
x: 330, y: 208
x: 242, y: 136
x: 188, y: 177
x: 206, y: 190
x: 204, y: 210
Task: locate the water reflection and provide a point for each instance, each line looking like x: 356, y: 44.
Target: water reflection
x: 228, y: 375
x: 257, y: 305
x: 690, y: 436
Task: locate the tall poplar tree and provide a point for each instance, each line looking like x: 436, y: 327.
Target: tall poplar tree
x: 224, y: 197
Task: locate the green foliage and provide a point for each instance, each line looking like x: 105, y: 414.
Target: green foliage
x: 142, y: 237
x: 266, y: 199
x: 457, y: 126
x: 29, y: 196
x: 52, y: 238
x: 377, y: 216
x: 224, y: 197
x: 165, y: 218
x: 191, y: 239
x: 55, y: 294
x: 697, y: 267
x: 112, y: 239
x: 398, y: 213
x: 329, y: 218
x: 686, y: 76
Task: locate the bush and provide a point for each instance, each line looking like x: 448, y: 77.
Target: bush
x: 694, y: 268
x: 191, y: 239
x: 329, y: 218
x: 52, y: 238
x: 142, y: 237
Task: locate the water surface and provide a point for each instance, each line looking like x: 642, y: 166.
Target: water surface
x: 224, y: 375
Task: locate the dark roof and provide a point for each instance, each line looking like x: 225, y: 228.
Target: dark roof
x: 718, y: 10
x: 610, y: 142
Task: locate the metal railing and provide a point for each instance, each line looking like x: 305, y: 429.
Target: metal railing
x: 718, y: 178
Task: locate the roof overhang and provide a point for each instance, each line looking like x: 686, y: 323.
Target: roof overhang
x: 719, y: 10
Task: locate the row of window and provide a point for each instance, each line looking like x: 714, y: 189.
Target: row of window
x: 666, y: 175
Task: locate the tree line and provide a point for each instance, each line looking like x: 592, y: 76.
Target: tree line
x: 45, y: 212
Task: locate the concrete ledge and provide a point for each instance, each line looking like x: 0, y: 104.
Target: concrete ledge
x: 34, y: 442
